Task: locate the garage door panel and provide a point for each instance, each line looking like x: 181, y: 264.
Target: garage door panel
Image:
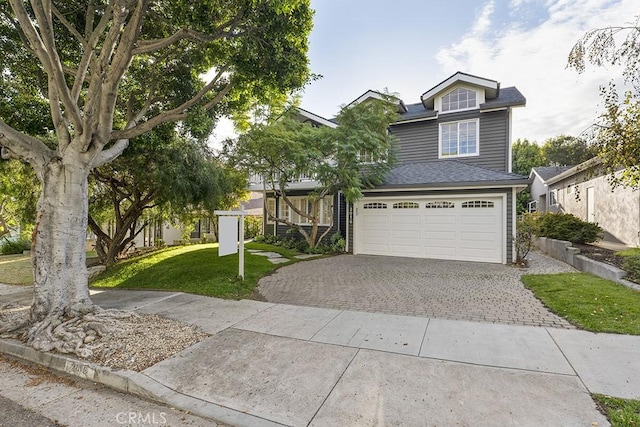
x: 439, y: 219
x: 408, y: 235
x: 473, y: 233
x: 375, y: 233
x: 478, y: 236
x: 406, y: 250
x: 478, y: 220
x: 439, y: 237
x: 373, y: 221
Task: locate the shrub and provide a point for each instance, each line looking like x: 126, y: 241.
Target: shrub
x: 252, y: 226
x: 14, y: 247
x: 338, y: 244
x: 631, y: 265
x: 567, y: 227
x: 526, y: 229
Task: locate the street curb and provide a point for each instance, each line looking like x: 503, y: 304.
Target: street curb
x: 132, y: 382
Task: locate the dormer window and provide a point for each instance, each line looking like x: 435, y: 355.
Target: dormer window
x: 459, y: 99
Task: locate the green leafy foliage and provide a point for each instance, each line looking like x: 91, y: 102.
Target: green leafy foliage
x: 567, y: 150
x: 285, y: 148
x: 526, y: 156
x: 563, y: 226
x: 617, y: 135
x: 14, y: 247
x: 527, y: 228
x: 252, y: 226
x: 18, y: 195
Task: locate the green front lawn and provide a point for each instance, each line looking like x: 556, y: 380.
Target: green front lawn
x: 589, y: 302
x: 16, y: 269
x: 195, y: 269
x: 621, y: 412
x: 629, y: 252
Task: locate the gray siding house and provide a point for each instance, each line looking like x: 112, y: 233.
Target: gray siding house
x: 452, y: 194
x: 586, y: 193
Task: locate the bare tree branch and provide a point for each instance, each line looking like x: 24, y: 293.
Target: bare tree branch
x: 69, y: 27
x: 105, y: 156
x: 175, y: 114
x: 27, y: 147
x: 45, y: 46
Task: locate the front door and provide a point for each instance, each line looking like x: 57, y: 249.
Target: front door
x: 591, y: 205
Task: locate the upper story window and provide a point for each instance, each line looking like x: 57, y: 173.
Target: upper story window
x: 459, y: 139
x: 459, y: 99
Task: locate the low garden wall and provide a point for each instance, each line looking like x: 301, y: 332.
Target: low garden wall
x: 565, y: 252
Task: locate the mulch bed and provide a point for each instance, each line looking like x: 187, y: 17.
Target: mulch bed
x: 600, y: 254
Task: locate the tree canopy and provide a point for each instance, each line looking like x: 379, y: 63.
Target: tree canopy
x: 565, y: 150
x: 106, y: 72
x: 174, y: 175
x: 617, y: 134
x: 355, y: 155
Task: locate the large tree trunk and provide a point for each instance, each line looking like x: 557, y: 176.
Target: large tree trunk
x: 58, y: 254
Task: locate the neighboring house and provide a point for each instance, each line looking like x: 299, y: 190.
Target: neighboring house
x: 452, y: 194
x: 586, y: 193
x: 542, y: 200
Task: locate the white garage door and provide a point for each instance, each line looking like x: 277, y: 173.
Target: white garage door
x: 467, y: 229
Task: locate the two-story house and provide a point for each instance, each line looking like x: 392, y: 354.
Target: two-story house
x: 452, y: 194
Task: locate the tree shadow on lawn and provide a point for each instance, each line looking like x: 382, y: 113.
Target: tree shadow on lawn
x: 199, y: 271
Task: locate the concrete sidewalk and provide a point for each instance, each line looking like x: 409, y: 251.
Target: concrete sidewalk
x: 273, y: 364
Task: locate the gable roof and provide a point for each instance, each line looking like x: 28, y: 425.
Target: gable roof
x: 545, y: 173
x: 374, y: 94
x: 573, y: 170
x: 449, y: 173
x: 492, y: 87
x: 306, y: 116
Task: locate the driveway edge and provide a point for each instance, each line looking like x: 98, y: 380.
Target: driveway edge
x: 132, y: 382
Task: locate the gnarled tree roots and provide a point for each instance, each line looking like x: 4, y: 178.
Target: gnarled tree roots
x: 80, y: 335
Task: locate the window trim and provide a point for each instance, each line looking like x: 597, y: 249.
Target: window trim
x: 297, y: 202
x: 553, y: 197
x: 571, y: 187
x: 441, y: 98
x: 457, y: 122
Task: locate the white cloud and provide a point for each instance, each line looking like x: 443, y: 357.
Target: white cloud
x: 534, y: 59
x: 483, y: 22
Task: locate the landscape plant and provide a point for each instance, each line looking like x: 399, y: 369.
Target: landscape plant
x: 563, y: 226
x: 101, y: 74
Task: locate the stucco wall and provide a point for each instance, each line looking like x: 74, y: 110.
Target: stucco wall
x: 616, y: 211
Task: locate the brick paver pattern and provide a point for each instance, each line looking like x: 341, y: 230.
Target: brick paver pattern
x: 417, y: 287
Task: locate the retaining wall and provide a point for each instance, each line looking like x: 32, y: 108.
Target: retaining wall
x: 563, y: 251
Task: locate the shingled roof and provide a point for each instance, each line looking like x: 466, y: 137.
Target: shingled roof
x: 548, y: 172
x: 449, y: 173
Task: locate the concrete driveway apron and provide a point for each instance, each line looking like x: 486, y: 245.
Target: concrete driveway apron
x: 417, y: 287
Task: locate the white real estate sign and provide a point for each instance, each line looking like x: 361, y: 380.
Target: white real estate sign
x: 231, y: 236
x: 228, y: 235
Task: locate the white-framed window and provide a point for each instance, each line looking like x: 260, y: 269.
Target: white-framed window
x: 553, y: 197
x: 478, y: 204
x: 375, y: 205
x: 406, y: 205
x: 301, y: 203
x: 271, y: 208
x: 459, y: 99
x: 571, y: 188
x: 439, y: 205
x: 459, y: 139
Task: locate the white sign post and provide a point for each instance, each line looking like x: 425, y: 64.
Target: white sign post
x: 231, y: 236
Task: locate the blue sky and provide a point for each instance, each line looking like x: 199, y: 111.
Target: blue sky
x: 408, y: 46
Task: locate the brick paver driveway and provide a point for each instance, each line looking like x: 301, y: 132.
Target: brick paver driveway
x: 416, y: 287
